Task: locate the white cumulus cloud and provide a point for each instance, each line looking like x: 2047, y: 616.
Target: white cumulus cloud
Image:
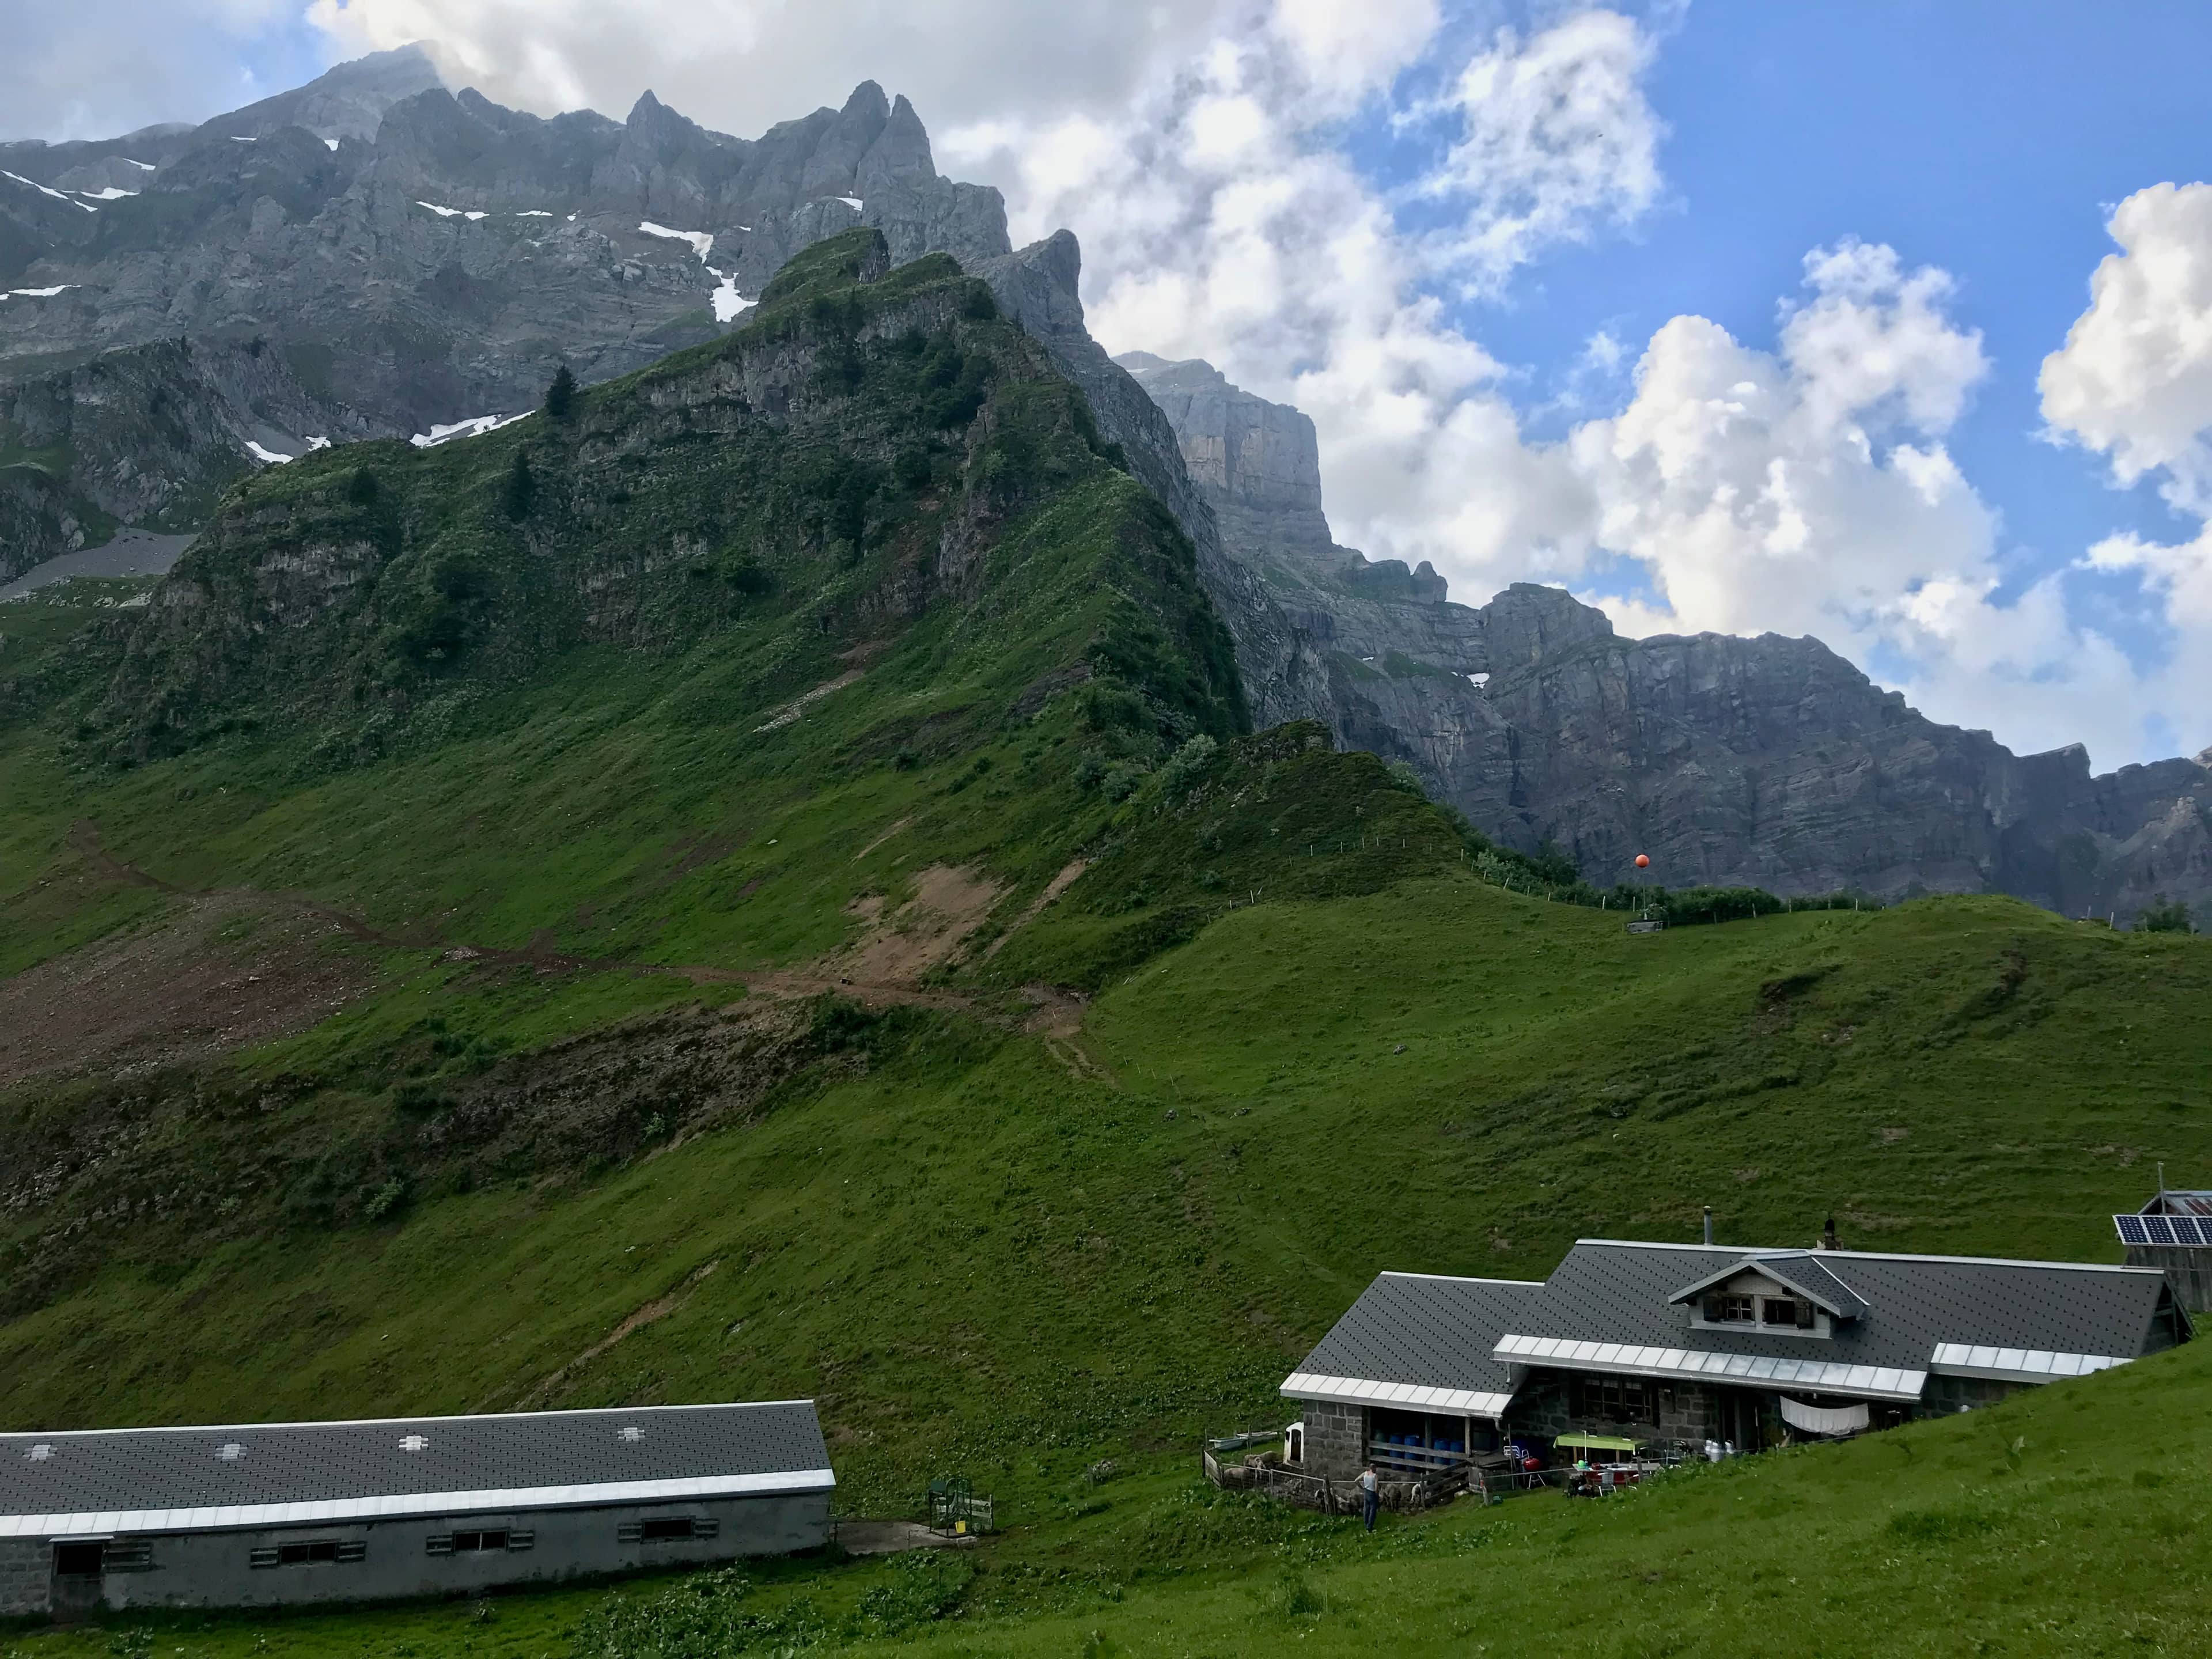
x: 2134, y: 379
x: 1554, y: 139
x: 2134, y: 383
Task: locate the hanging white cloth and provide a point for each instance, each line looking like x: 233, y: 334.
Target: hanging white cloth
x: 1817, y: 1420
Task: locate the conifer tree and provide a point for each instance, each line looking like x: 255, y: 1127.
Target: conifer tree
x: 522, y: 487
x: 561, y: 396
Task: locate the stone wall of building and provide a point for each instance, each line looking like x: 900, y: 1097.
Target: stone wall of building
x: 1336, y: 1439
x: 26, y: 1565
x: 1946, y: 1394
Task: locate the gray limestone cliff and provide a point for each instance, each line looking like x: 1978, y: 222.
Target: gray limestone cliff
x: 1285, y: 679
x: 411, y: 256
x: 1768, y: 760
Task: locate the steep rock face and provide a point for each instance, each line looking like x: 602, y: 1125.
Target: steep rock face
x: 147, y: 435
x: 1285, y: 679
x: 421, y: 257
x: 877, y: 444
x: 1765, y: 761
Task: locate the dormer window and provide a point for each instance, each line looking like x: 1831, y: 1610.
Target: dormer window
x: 1786, y: 1312
x: 1728, y: 1310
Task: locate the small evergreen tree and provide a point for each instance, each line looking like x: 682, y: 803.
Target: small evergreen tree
x: 362, y: 490
x: 522, y: 487
x: 561, y: 396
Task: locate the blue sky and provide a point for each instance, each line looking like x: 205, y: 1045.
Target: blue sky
x: 1989, y: 139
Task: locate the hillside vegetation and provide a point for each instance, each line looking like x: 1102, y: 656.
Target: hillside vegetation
x: 782, y: 903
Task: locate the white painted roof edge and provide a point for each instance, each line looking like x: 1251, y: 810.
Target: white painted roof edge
x: 1752, y: 1251
x: 1998, y: 1365
x: 230, y: 1518
x: 1819, y: 1376
x: 1359, y: 1391
x: 386, y: 1422
x: 1463, y: 1279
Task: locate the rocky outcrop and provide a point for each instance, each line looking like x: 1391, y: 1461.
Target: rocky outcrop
x: 1285, y: 679
x: 148, y: 435
x: 420, y: 258
x: 1769, y: 761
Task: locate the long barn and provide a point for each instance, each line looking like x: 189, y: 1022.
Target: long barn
x: 266, y: 1514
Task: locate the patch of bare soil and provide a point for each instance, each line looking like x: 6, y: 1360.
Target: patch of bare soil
x: 213, y: 972
x: 1053, y: 889
x: 927, y: 931
x: 659, y: 1308
x: 791, y: 711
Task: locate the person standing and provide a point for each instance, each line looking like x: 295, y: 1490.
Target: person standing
x: 1369, y: 1496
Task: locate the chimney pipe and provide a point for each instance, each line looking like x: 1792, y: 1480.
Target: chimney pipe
x: 1828, y: 1236
x: 1709, y: 1224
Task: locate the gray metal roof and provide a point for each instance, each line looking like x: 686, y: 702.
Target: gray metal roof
x: 1617, y: 1292
x: 1412, y: 1331
x: 279, y: 1473
x: 1610, y: 1301
x: 2171, y: 1202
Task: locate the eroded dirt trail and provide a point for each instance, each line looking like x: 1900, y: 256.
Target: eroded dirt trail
x: 227, y: 967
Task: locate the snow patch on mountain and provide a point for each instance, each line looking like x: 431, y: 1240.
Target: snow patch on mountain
x: 702, y: 242
x: 43, y: 191
x: 474, y: 427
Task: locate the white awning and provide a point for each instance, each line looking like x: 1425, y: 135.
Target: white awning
x: 2016, y: 1365
x: 1628, y: 1359
x: 1406, y: 1396
x: 1823, y: 1419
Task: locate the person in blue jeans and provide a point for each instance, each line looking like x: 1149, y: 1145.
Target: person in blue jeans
x: 1368, y: 1495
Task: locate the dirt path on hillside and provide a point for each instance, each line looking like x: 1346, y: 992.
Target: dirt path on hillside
x: 229, y: 967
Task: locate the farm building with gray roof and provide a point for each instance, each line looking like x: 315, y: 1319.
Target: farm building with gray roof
x: 271, y: 1513
x: 1645, y: 1344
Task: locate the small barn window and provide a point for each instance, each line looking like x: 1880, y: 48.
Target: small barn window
x: 1793, y: 1312
x: 476, y: 1543
x: 1728, y: 1310
x: 1617, y: 1399
x: 309, y: 1552
x: 667, y: 1530
x: 77, y: 1560
x: 136, y: 1557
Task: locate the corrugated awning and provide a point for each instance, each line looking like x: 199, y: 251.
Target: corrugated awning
x: 1629, y: 1359
x: 1407, y: 1396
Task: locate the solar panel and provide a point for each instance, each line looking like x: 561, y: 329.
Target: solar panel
x: 2131, y: 1229
x: 2159, y: 1227
x: 2189, y: 1229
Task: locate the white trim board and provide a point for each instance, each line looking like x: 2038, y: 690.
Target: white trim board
x: 233, y: 1517
x: 1411, y: 1396
x: 1820, y: 1376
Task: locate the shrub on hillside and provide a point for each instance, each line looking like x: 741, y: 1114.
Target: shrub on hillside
x: 2164, y: 915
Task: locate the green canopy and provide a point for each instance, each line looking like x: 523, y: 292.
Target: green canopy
x: 1596, y: 1443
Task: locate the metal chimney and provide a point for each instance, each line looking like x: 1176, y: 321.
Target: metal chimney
x: 1709, y: 1224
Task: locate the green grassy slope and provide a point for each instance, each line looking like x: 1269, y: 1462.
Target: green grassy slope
x: 2064, y: 1521
x: 969, y: 1251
